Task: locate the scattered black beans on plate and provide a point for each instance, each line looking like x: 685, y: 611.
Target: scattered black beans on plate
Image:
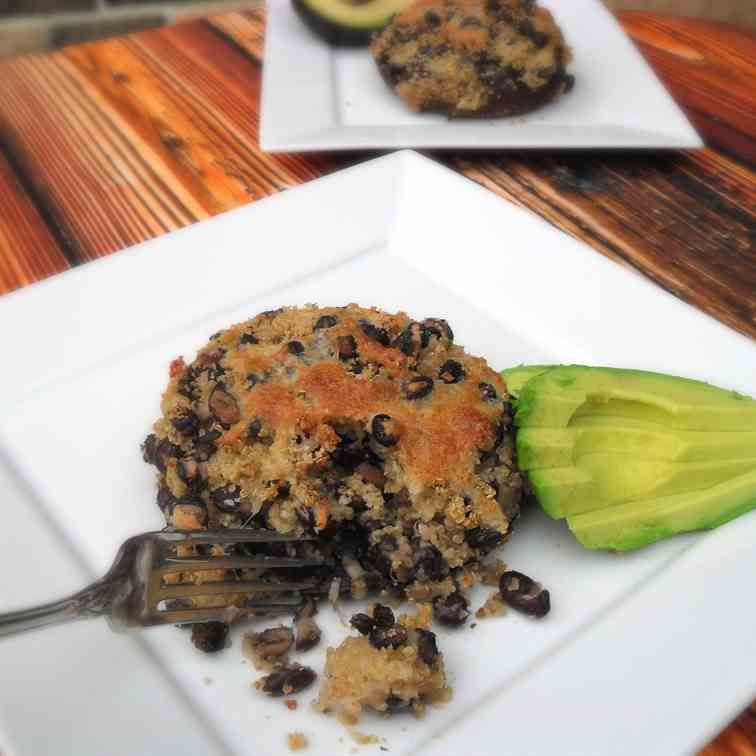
x: 524, y: 594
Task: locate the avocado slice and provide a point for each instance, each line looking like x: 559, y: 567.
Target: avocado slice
x: 563, y: 447
x: 639, y: 523
x: 517, y: 377
x: 347, y: 22
x: 601, y: 480
x: 556, y: 397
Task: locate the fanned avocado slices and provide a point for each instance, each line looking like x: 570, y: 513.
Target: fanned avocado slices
x: 600, y: 444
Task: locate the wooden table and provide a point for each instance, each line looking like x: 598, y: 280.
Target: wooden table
x: 111, y: 143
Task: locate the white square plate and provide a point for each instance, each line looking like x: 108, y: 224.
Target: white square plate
x: 316, y: 97
x: 647, y: 653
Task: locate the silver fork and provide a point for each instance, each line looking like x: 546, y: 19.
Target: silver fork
x: 133, y: 593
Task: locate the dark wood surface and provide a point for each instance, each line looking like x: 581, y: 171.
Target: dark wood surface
x: 108, y: 144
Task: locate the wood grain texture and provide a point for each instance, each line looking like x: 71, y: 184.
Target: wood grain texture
x: 710, y: 69
x: 28, y: 248
x: 119, y: 141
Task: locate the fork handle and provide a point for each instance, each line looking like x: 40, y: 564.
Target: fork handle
x: 92, y: 601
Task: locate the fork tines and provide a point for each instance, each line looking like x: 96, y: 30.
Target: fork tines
x: 272, y: 594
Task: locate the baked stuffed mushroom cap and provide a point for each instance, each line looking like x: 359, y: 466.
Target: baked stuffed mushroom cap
x: 372, y: 430
x: 469, y: 58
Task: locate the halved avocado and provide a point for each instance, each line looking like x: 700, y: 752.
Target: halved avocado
x: 630, y: 456
x: 638, y: 523
x: 348, y: 22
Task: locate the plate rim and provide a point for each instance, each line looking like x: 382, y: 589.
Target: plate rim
x: 402, y: 164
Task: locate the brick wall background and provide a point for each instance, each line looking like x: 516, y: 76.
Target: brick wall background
x: 33, y: 25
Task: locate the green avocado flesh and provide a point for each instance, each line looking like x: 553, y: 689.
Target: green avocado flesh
x: 638, y: 523
x: 341, y: 22
x: 601, y: 480
x: 597, y: 440
x: 553, y: 398
x: 563, y: 447
x: 517, y: 377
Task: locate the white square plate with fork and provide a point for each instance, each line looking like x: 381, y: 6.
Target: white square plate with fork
x: 650, y: 652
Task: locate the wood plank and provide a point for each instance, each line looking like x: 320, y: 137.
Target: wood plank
x: 101, y: 182
x: 201, y: 65
x: 29, y: 250
x: 710, y: 69
x: 245, y: 30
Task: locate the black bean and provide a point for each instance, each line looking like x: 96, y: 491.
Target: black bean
x: 249, y: 338
x: 325, y: 321
x: 254, y: 428
x: 188, y: 470
x: 524, y: 594
x: 429, y: 560
x: 483, y: 538
x: 451, y: 372
x: 165, y: 500
x: 373, y: 331
x: 418, y: 387
x: 382, y: 427
x: 432, y: 18
x: 227, y: 499
x: 439, y: 328
x: 295, y: 347
x: 362, y: 623
x: 569, y: 82
x: 396, y: 704
x: 149, y: 449
x: 426, y: 646
x: 187, y: 423
x: 271, y: 643
x: 452, y: 609
x: 224, y: 406
x: 347, y: 347
x: 215, y: 372
x: 488, y: 392
x: 383, y: 615
x: 210, y: 637
x: 165, y: 451
x: 413, y: 339
x: 540, y: 39
x: 289, y: 680
x: 208, y: 437
x: 253, y: 379
x: 388, y: 637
